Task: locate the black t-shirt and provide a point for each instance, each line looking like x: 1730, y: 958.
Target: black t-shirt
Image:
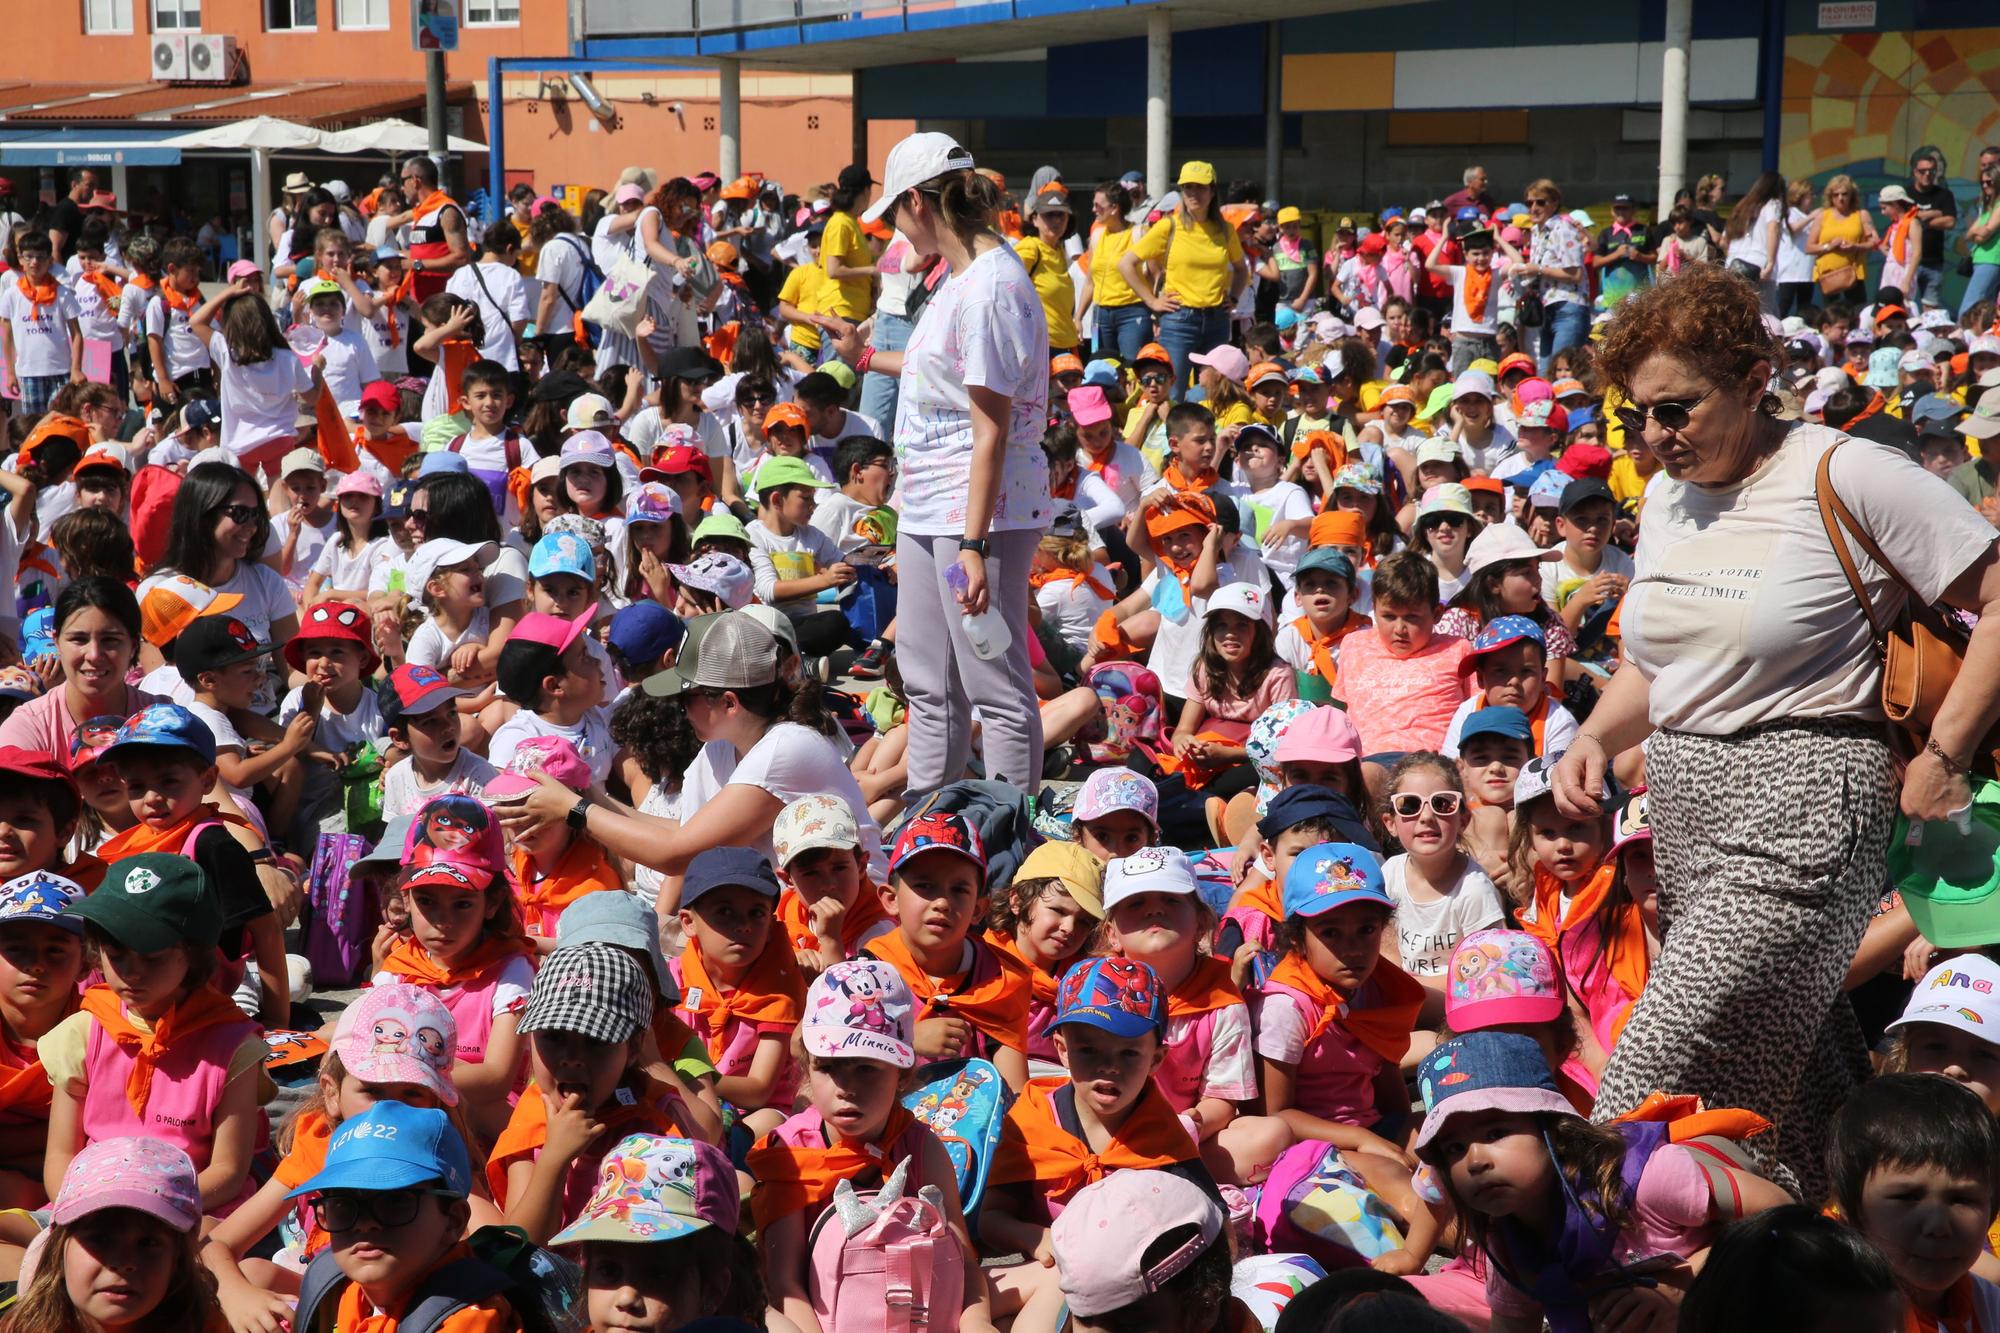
x: 232, y: 877
x: 67, y: 218
x: 1941, y: 198
x: 1639, y: 239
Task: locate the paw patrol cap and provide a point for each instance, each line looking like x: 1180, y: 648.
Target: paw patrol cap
x: 655, y: 1188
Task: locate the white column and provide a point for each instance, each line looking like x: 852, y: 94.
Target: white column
x: 260, y: 208
x: 729, y: 154
x: 1159, y: 101
x: 121, y: 184
x: 1674, y: 102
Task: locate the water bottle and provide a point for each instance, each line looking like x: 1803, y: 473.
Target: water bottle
x: 987, y: 632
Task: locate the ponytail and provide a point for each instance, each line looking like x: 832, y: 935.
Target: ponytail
x: 968, y: 203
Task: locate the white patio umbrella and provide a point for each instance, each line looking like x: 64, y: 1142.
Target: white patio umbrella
x: 390, y: 136
x: 262, y: 136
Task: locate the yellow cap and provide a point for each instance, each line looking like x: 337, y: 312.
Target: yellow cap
x: 1080, y: 872
x: 1289, y: 214
x: 1196, y: 173
x: 1487, y: 364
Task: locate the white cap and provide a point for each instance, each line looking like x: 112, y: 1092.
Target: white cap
x: 338, y: 189
x: 1962, y: 992
x: 1894, y: 194
x: 918, y: 158
x: 1830, y: 379
x: 1368, y: 318
x: 1148, y: 870
x: 302, y: 460
x: 1536, y: 778
x: 587, y: 446
x: 549, y: 465
x: 587, y: 411
x: 1245, y: 599
x: 1983, y: 345
x: 1473, y: 382
x: 442, y: 553
x: 1914, y: 361
x: 1438, y: 449
x: 1498, y: 543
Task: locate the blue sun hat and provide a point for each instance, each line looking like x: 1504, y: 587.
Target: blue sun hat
x: 1486, y: 1071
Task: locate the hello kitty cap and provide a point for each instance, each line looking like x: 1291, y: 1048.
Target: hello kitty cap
x: 399, y: 1033
x: 860, y: 1009
x: 654, y: 1188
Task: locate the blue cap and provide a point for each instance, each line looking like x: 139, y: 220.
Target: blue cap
x: 1287, y: 318
x: 1331, y: 559
x: 1391, y: 212
x: 1487, y: 1070
x: 167, y: 726
x: 440, y: 461
x: 1546, y: 491
x: 38, y: 634
x: 645, y: 631
x: 722, y: 867
x: 1334, y: 874
x: 1121, y: 996
x: 1102, y: 373
x: 1296, y: 804
x: 391, y: 1146
x: 40, y: 897
x: 201, y: 414
x: 1468, y: 213
x: 1504, y: 630
x: 1513, y: 210
x: 562, y: 553
x: 1935, y: 407
x: 396, y: 504
x: 387, y: 252
x: 1499, y: 720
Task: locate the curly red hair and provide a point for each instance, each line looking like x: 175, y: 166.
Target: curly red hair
x: 1706, y: 317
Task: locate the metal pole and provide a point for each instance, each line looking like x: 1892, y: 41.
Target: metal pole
x: 1274, y: 111
x: 729, y: 153
x: 260, y: 208
x: 1159, y: 101
x: 496, y: 130
x: 1771, y: 81
x: 1674, y: 102
x: 434, y: 109
x: 858, y: 148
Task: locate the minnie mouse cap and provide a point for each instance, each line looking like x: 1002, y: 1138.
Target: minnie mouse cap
x: 861, y: 1009
x: 399, y: 1033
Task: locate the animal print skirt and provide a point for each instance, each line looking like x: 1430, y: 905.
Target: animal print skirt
x: 1770, y: 846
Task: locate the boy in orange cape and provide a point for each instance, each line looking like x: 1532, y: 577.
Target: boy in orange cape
x: 828, y: 910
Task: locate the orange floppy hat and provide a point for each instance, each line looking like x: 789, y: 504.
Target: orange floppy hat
x: 1185, y: 509
x: 1338, y: 527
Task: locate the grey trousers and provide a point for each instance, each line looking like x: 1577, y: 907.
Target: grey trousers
x: 943, y: 680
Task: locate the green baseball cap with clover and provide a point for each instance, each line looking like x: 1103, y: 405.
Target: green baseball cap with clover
x: 153, y: 901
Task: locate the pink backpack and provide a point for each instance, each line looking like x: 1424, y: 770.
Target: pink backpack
x: 883, y: 1263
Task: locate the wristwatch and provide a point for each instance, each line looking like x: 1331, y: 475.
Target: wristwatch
x: 979, y: 546
x: 416, y: 266
x: 579, y: 814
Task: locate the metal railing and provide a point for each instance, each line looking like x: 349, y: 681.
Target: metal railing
x: 688, y: 18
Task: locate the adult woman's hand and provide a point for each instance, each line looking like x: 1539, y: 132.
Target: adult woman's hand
x: 1579, y: 778
x: 1931, y: 791
x: 973, y: 600
x: 549, y: 803
x: 849, y: 345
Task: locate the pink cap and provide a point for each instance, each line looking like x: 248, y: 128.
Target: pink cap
x: 359, y: 483
x: 244, y: 268
x: 626, y: 194
x: 142, y: 1174
x: 554, y: 631
x: 1229, y: 362
x: 1326, y: 736
x: 1088, y: 405
x: 1109, y: 790
x: 552, y: 755
x: 1500, y: 976
x: 1101, y: 1238
x: 399, y: 1033
x: 861, y: 1009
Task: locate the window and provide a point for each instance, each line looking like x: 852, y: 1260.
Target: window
x: 291, y: 15
x: 107, y: 16
x: 492, y: 11
x: 176, y: 15
x: 363, y: 13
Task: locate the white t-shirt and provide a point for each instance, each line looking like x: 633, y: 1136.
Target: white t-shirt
x: 260, y: 402
x: 559, y: 264
x: 1426, y: 933
x: 1738, y: 613
x: 133, y: 303
x: 227, y: 737
x: 591, y: 736
x: 1071, y: 608
x: 1176, y: 644
x: 788, y: 761
x: 1461, y: 320
x: 1751, y: 247
x: 313, y: 539
x: 983, y: 328
x: 647, y: 425
x: 375, y: 332
x: 803, y: 554
x: 350, y: 363
x: 1558, y: 730
x: 646, y: 880
x: 1280, y: 502
x: 41, y: 333
x: 1559, y: 576
x: 339, y: 731
x: 1127, y: 473
x: 1291, y: 646
x: 430, y: 646
x: 403, y: 793
x: 1794, y: 264
x: 350, y: 573
x: 852, y: 424
x: 266, y: 600
x: 836, y: 514
x: 164, y: 682
x: 94, y: 315
x: 185, y: 352
x: 508, y: 304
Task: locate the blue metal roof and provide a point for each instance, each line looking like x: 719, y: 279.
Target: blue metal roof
x: 90, y: 148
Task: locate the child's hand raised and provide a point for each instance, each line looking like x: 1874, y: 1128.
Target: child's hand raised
x: 826, y: 916
x: 571, y: 1127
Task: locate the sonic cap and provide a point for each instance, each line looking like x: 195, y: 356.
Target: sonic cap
x: 40, y: 898
x: 391, y: 1146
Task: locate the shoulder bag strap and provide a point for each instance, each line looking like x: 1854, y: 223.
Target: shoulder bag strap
x: 487, y: 292
x: 1834, y: 514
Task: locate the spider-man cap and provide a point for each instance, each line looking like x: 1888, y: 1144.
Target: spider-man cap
x: 332, y: 620
x: 1120, y: 996
x: 938, y: 833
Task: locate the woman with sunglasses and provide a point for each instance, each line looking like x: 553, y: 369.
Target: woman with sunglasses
x: 1982, y: 245
x: 1122, y: 323
x: 1750, y: 672
x: 1841, y: 238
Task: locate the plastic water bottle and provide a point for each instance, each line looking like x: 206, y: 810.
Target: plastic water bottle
x: 1958, y: 850
x: 987, y: 632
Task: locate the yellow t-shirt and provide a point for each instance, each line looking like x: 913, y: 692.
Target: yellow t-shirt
x: 1236, y: 414
x: 1107, y: 285
x: 807, y: 289
x: 62, y: 1051
x: 1614, y: 430
x: 1625, y: 481
x: 1199, y: 262
x: 1049, y: 271
x: 852, y: 298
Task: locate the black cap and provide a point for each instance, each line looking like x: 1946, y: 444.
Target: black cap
x: 686, y: 363
x: 1473, y: 236
x: 214, y: 642
x: 560, y: 387
x: 1618, y: 199
x: 1295, y: 805
x: 1582, y: 489
x: 855, y: 178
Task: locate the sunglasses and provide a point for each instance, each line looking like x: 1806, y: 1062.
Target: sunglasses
x: 420, y: 516
x: 389, y: 1208
x: 1156, y: 379
x: 758, y: 396
x: 1443, y: 804
x: 241, y: 515
x: 1672, y: 415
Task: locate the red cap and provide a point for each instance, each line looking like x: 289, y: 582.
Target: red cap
x: 36, y: 764
x: 332, y: 620
x: 674, y: 460
x: 381, y: 394
x: 1375, y: 243
x: 1584, y: 459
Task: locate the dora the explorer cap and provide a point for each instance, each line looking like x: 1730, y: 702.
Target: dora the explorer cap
x: 152, y: 902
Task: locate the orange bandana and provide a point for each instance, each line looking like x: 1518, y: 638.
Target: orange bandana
x: 1041, y: 984
x: 1322, y: 648
x: 1899, y: 237
x: 654, y: 1109
x: 144, y: 838
x: 771, y: 992
x: 457, y: 356
x: 1384, y: 1027
x: 997, y: 1006
x: 203, y: 1009
x: 583, y: 869
x: 1261, y: 895
x: 392, y: 301
x: 1957, y: 1314
x: 1203, y: 990
x: 1478, y: 285
x: 144, y: 282
x: 24, y: 1084
x: 1039, y: 579
x: 108, y: 290
x: 1180, y: 481
x: 432, y: 202
x: 864, y: 915
x: 1034, y: 1146
x: 185, y: 302
x: 410, y: 962
x: 38, y: 295
x: 1625, y: 950
x: 389, y: 451
x: 797, y: 1179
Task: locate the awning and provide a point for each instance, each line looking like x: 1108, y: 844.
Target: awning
x: 90, y: 148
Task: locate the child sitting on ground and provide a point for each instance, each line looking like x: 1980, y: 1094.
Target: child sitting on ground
x: 1235, y: 677
x: 1494, y: 745
x: 331, y: 650
x: 1300, y: 816
x: 1116, y: 813
x: 41, y: 962
x: 553, y: 865
x: 1047, y: 917
x: 1310, y: 642
x: 1069, y: 592
x: 1401, y: 683
x: 1508, y: 666
x: 548, y: 669
x: 1441, y: 894
x: 419, y: 718
x: 828, y: 909
x: 451, y: 639
x: 222, y: 662
x: 1170, y: 1271
x: 1951, y: 1026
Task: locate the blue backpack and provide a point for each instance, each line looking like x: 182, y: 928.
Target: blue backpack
x: 593, y: 278
x: 963, y: 1103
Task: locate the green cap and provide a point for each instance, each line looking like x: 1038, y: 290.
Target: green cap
x: 676, y: 678
x: 153, y: 901
x: 720, y: 523
x: 785, y: 471
x: 839, y: 372
x: 1440, y: 400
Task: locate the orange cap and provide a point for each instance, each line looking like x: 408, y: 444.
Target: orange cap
x: 740, y: 188
x: 1263, y: 370
x: 786, y: 414
x: 1398, y: 393
x: 879, y: 229
x: 1069, y: 363
x: 1515, y: 360
x: 56, y: 427
x: 1236, y: 215
x: 1488, y: 484
x: 722, y: 254
x: 1186, y: 509
x: 1338, y: 527
x: 1332, y: 445
x: 1154, y: 352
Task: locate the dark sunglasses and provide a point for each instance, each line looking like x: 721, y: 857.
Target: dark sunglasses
x: 420, y: 516
x: 1673, y: 414
x: 1157, y: 377
x: 1443, y: 804
x: 757, y: 396
x: 241, y: 515
x: 389, y: 1208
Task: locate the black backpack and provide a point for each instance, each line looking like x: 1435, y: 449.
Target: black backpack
x: 544, y: 1289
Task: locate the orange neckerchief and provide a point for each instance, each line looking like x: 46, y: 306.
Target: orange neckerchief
x: 205, y: 1008
x: 357, y: 1314
x: 997, y: 1006
x: 1956, y: 1315
x: 772, y: 991
x: 583, y: 869
x: 1478, y: 285
x: 185, y: 302
x: 1066, y: 491
x: 1039, y: 579
x: 1034, y: 1147
x: 1899, y: 237
x: 456, y: 357
x: 1180, y: 481
x: 652, y: 1110
x: 1322, y: 648
x: 144, y: 838
x: 1041, y: 984
x: 1383, y: 1027
x: 436, y: 199
x: 38, y: 295
x: 107, y: 288
x: 145, y: 282
x: 863, y: 915
x: 1876, y: 404
x: 87, y: 870
x: 1261, y: 895
x: 389, y: 451
x: 24, y: 1084
x: 312, y: 1132
x: 391, y: 302
x: 1203, y: 990
x: 1625, y: 951
x: 796, y: 1179
x: 410, y: 962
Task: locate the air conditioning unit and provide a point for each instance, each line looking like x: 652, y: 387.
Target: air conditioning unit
x: 211, y: 59
x: 170, y: 57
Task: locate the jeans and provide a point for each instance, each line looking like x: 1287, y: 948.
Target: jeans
x: 1794, y: 298
x: 1188, y: 330
x: 878, y: 392
x: 1123, y: 328
x: 1983, y: 285
x: 1926, y: 287
x: 1467, y: 348
x: 1568, y: 324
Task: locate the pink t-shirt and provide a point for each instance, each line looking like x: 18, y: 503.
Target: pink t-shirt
x: 1280, y: 682
x: 1335, y: 1077
x: 45, y: 724
x: 1401, y: 703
